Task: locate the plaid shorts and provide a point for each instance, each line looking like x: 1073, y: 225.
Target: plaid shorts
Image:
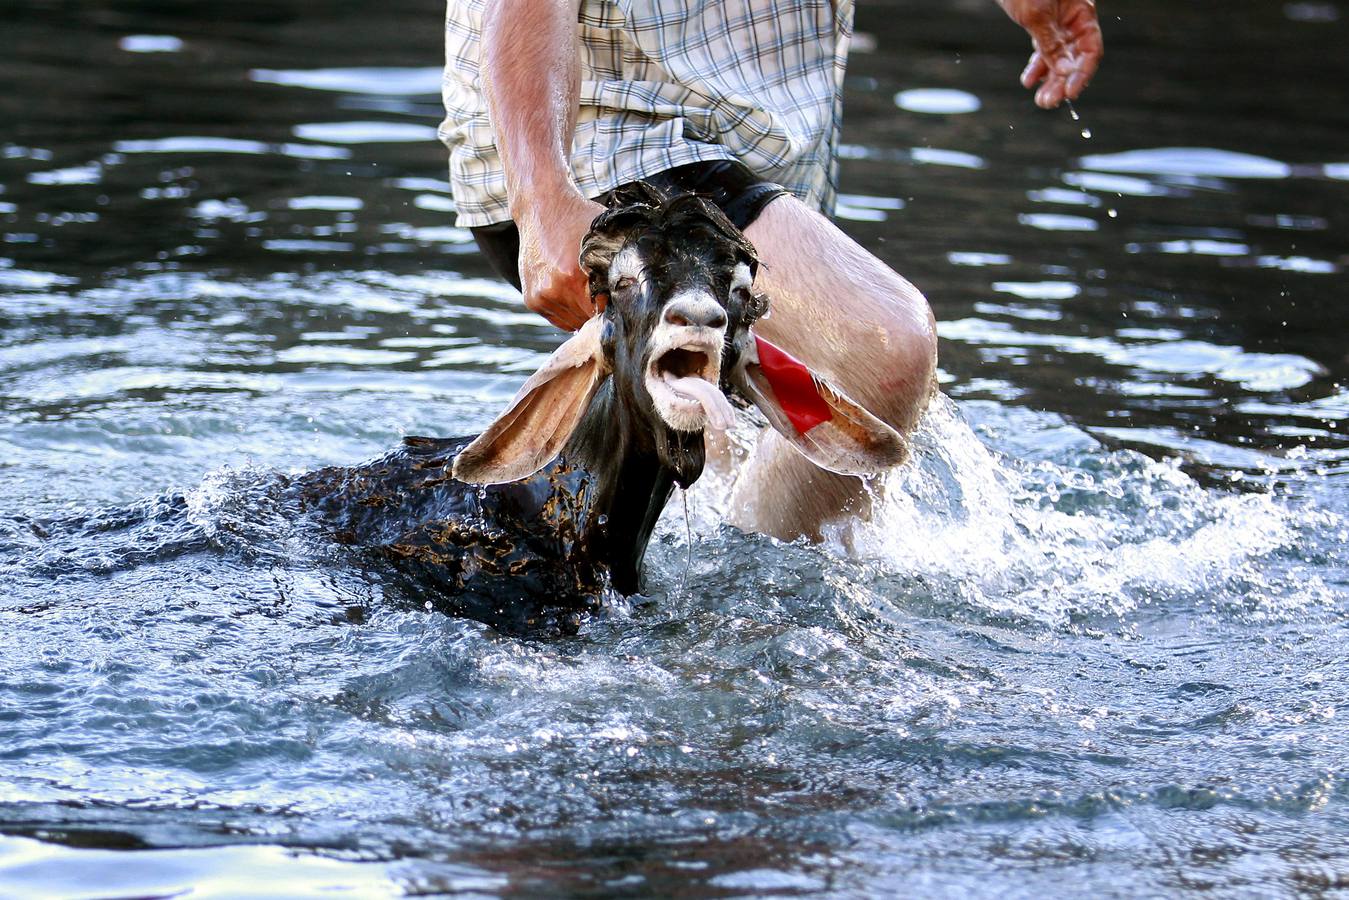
x: 666, y: 83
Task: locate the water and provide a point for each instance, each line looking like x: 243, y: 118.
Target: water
x: 1094, y: 642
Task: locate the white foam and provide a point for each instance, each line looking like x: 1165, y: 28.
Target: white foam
x: 1100, y: 533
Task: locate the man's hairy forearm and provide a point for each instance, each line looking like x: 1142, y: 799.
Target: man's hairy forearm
x: 531, y: 79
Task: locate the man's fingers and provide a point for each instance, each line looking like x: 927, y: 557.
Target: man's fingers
x: 562, y: 298
x: 571, y: 318
x: 1066, y: 38
x: 1044, y: 97
x: 1088, y: 59
x: 1065, y: 77
x: 1049, y: 62
x: 1074, y: 74
x: 1052, y: 92
x: 566, y: 320
x: 562, y: 315
x: 562, y: 311
x: 1077, y: 82
x: 1036, y: 69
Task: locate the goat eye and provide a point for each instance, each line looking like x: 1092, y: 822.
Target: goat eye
x: 624, y: 283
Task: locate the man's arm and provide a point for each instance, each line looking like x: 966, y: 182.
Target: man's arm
x: 531, y: 79
x: 1067, y: 41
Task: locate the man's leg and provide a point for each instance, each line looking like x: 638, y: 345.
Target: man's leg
x: 854, y: 320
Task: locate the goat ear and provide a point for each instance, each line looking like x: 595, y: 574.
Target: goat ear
x: 539, y: 421
x: 828, y: 427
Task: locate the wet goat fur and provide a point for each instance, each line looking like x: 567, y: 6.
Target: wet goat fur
x: 536, y: 552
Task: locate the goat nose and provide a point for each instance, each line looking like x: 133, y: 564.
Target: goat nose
x: 702, y: 311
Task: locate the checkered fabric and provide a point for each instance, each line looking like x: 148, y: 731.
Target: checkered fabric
x: 670, y: 82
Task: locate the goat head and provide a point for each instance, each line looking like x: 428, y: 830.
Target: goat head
x: 672, y: 279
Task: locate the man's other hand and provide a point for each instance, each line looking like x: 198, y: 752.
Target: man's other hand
x: 1068, y: 48
x: 550, y: 273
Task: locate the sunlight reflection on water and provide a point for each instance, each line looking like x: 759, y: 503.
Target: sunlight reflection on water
x: 1092, y: 641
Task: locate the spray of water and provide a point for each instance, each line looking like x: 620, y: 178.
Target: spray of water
x: 1090, y: 532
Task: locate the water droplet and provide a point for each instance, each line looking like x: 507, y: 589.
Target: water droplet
x: 1111, y: 213
x: 1072, y: 111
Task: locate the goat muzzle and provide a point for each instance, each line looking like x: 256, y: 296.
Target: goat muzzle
x: 682, y: 378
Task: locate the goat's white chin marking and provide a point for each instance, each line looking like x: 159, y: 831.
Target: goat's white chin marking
x: 685, y: 363
x: 690, y: 403
x: 682, y: 378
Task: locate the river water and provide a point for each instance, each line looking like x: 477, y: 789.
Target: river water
x: 1094, y: 642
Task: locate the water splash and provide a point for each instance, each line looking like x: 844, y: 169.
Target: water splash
x: 1072, y: 111
x: 1090, y: 535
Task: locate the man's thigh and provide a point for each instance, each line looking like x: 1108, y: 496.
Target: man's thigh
x: 844, y: 312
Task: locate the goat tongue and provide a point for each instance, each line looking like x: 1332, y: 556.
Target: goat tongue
x: 720, y: 414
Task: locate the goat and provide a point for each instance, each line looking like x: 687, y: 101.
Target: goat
x: 560, y: 493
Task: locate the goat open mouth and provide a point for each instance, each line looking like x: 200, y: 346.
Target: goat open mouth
x: 681, y: 362
x: 682, y: 382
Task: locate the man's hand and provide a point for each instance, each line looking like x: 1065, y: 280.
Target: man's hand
x: 550, y: 242
x: 531, y: 75
x: 1067, y: 42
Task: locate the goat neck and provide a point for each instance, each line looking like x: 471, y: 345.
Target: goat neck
x: 631, y: 485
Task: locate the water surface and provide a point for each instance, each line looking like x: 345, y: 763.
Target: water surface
x: 1094, y: 642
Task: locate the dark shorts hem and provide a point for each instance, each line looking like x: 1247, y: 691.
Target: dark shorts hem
x: 730, y: 185
x: 737, y: 191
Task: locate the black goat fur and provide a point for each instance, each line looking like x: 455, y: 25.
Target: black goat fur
x: 538, y: 551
